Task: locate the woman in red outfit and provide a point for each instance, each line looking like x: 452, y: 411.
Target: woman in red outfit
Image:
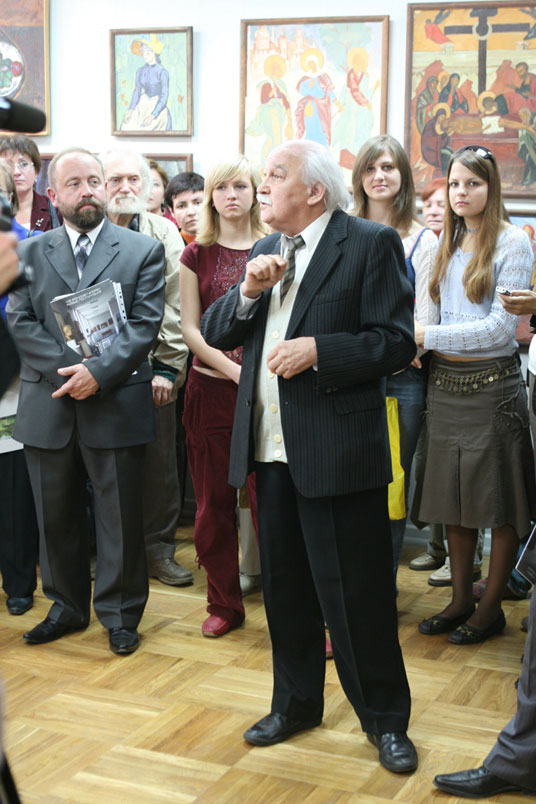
x: 229, y: 225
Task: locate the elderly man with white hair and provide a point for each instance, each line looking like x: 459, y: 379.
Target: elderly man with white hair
x: 324, y: 311
x: 128, y: 184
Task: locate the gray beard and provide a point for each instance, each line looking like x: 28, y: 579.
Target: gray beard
x: 125, y: 206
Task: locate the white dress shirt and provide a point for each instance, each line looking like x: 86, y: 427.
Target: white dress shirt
x: 268, y: 430
x: 73, y: 235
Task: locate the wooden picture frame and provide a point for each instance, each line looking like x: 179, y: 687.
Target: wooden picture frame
x: 24, y: 55
x: 156, y: 61
x: 471, y: 79
x: 173, y: 163
x: 320, y: 78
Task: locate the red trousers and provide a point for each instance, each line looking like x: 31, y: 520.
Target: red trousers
x: 209, y: 405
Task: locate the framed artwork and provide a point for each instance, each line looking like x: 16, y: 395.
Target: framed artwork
x: 173, y: 163
x: 323, y: 79
x: 151, y: 73
x: 471, y: 78
x: 24, y: 54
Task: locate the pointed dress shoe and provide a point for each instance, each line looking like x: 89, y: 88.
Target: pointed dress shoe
x: 478, y: 783
x: 19, y: 605
x: 49, y: 630
x: 276, y: 728
x: 123, y: 640
x: 396, y: 751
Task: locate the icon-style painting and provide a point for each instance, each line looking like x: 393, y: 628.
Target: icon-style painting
x: 24, y: 57
x: 151, y: 82
x: 318, y: 79
x: 471, y: 78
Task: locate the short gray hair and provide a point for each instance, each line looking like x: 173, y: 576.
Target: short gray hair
x: 319, y: 167
x: 143, y: 164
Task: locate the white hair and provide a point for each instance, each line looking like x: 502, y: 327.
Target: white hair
x: 319, y: 167
x: 143, y: 164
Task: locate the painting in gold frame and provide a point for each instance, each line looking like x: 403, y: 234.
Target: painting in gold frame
x: 471, y: 79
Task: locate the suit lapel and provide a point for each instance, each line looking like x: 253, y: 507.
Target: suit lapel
x: 60, y: 255
x: 103, y: 252
x: 323, y: 261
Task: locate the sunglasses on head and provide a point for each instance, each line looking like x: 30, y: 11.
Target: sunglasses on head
x: 479, y: 150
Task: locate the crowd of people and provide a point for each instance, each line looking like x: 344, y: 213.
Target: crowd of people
x: 302, y: 309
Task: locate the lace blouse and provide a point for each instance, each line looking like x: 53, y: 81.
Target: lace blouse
x: 482, y: 329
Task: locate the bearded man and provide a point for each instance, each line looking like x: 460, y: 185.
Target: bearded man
x: 128, y: 184
x: 87, y: 417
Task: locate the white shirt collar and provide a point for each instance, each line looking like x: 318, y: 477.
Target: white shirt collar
x: 312, y: 233
x: 73, y: 234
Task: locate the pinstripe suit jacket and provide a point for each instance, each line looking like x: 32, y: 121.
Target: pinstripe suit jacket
x: 356, y: 300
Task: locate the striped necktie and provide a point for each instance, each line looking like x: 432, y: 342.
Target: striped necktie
x: 81, y: 252
x: 288, y: 252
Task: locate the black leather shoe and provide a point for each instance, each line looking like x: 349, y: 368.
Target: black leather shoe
x: 471, y: 635
x: 49, y: 630
x: 478, y: 783
x: 124, y: 640
x: 440, y: 625
x: 397, y: 752
x: 18, y: 605
x: 275, y: 728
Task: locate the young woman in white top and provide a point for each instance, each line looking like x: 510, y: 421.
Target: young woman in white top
x: 384, y: 192
x: 478, y: 468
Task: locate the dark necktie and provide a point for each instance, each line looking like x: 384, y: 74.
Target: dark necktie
x: 81, y: 253
x: 289, y: 253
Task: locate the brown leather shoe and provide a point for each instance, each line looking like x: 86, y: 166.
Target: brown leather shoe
x: 169, y: 571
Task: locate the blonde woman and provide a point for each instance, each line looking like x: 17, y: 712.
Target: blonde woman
x: 229, y: 225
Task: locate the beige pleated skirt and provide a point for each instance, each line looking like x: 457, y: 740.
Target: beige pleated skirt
x: 477, y: 467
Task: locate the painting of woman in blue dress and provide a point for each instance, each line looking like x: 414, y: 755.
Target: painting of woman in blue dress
x: 148, y: 107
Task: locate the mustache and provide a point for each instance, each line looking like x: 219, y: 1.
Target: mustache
x: 264, y: 198
x: 89, y: 202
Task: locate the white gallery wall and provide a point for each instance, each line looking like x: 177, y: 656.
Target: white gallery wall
x: 80, y: 66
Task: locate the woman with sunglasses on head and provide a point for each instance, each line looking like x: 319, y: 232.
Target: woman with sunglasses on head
x: 384, y: 192
x: 229, y: 225
x: 478, y: 469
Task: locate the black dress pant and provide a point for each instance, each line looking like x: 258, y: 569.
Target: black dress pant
x: 329, y: 560
x: 19, y: 533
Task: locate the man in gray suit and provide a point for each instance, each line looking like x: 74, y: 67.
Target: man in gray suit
x: 324, y: 312
x: 89, y: 415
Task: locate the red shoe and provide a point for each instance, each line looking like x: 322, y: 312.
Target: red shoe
x: 215, y: 626
x: 329, y: 651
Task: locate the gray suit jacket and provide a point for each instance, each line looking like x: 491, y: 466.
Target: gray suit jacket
x: 121, y: 413
x: 357, y: 302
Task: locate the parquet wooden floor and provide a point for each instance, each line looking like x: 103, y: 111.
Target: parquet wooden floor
x: 164, y: 725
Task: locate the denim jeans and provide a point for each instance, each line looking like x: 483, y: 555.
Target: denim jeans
x: 409, y: 388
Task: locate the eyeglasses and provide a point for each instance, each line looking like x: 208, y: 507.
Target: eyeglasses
x: 22, y: 164
x: 479, y: 150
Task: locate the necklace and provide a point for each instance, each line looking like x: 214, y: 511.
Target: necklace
x: 475, y: 229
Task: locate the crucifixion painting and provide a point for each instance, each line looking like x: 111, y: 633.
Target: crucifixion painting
x: 471, y: 78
